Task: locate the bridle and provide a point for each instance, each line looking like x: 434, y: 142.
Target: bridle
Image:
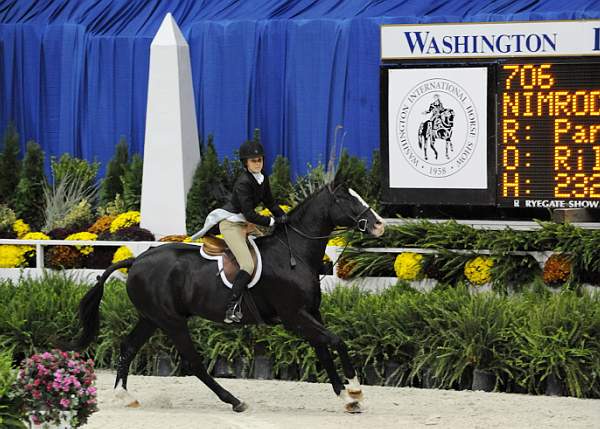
x: 360, y: 223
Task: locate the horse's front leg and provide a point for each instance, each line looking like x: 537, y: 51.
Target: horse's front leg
x: 312, y: 329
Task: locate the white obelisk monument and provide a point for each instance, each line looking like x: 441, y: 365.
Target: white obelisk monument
x: 171, y: 150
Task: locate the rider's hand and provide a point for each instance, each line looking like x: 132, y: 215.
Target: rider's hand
x: 281, y: 219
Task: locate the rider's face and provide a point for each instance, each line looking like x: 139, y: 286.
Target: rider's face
x: 255, y: 165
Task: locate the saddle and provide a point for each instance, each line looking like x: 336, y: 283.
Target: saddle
x: 216, y: 249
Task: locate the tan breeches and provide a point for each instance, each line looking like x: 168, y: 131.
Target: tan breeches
x: 235, y: 235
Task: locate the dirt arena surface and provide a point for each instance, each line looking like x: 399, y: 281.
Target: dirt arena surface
x: 184, y: 402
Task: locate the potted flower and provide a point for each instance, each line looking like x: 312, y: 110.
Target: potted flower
x: 57, y: 389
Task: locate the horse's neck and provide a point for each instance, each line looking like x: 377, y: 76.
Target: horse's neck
x: 313, y: 223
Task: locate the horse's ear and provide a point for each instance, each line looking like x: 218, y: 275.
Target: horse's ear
x: 338, y: 180
x: 331, y: 173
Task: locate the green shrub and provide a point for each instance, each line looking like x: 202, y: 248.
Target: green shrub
x: 7, y: 219
x: 132, y: 183
x: 112, y: 183
x: 10, y: 166
x: 38, y: 314
x: 447, y: 333
x: 559, y: 338
x: 354, y: 172
x: 281, y: 184
x: 10, y: 404
x: 79, y: 217
x: 70, y: 169
x: 30, y: 189
x: 207, y: 191
x: 308, y: 184
x: 373, y: 182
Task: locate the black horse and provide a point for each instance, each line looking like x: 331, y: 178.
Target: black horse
x: 173, y: 282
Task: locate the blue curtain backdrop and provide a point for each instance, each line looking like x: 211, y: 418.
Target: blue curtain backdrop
x: 73, y: 73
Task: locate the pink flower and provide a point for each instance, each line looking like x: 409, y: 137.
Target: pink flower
x: 36, y: 394
x: 65, y: 402
x: 46, y: 355
x: 91, y: 390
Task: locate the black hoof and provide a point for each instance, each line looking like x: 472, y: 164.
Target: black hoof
x: 240, y: 408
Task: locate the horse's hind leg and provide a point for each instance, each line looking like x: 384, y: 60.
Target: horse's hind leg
x: 183, y: 342
x: 129, y: 348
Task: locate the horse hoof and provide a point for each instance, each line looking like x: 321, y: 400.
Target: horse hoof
x: 134, y: 404
x: 355, y: 393
x: 240, y: 408
x: 353, y: 407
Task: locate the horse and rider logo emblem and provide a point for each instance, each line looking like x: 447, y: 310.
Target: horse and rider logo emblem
x: 437, y: 125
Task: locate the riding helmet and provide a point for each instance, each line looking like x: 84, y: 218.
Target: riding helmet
x: 251, y: 149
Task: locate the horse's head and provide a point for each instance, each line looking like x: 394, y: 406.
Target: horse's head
x: 347, y: 208
x: 448, y: 117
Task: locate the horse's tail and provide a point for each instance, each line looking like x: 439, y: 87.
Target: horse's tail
x: 89, y: 307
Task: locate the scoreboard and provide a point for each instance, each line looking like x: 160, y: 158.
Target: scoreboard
x: 542, y: 124
x: 548, y: 133
x: 502, y: 114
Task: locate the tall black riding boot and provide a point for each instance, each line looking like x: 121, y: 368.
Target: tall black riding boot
x: 234, y: 308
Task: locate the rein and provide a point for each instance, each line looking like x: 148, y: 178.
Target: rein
x: 359, y: 222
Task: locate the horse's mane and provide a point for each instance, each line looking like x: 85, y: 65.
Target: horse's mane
x: 300, y: 209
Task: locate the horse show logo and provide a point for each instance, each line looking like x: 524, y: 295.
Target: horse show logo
x: 437, y: 126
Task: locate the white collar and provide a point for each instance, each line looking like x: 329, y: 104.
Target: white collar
x: 259, y: 177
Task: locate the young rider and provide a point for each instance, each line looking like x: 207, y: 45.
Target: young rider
x: 251, y: 188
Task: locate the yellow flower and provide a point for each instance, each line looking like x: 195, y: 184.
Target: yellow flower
x: 125, y: 220
x: 33, y: 236
x: 478, y: 270
x: 84, y: 250
x: 20, y: 228
x: 337, y: 241
x: 267, y: 212
x: 122, y: 253
x: 11, y: 256
x: 408, y: 266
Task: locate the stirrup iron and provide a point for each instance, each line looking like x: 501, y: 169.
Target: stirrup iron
x: 234, y: 314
